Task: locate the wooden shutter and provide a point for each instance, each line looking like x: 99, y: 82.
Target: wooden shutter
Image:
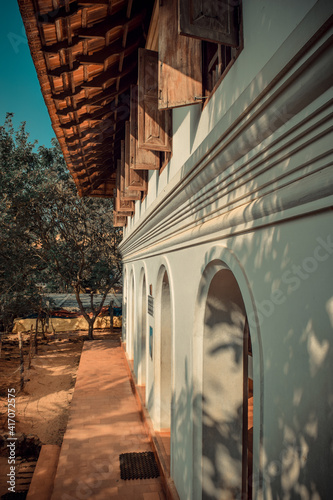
x: 211, y: 20
x: 179, y: 66
x: 140, y: 159
x: 119, y: 220
x: 154, y: 127
x: 121, y: 205
x: 135, y: 180
x: 125, y: 192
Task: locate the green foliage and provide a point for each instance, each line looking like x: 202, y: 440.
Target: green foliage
x: 48, y: 234
x: 17, y: 263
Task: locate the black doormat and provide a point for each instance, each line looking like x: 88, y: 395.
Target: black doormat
x: 17, y: 495
x: 138, y: 465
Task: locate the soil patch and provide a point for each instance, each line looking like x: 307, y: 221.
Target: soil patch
x: 41, y: 408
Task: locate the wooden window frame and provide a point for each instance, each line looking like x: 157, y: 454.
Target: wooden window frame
x: 207, y: 94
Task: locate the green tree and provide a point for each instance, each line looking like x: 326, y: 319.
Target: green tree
x: 18, y: 265
x: 77, y: 241
x: 60, y: 239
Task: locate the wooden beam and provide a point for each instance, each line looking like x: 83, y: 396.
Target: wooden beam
x: 86, y: 3
x: 96, y: 131
x: 56, y: 47
x: 107, y: 148
x: 97, y: 115
x: 112, y: 73
x: 61, y: 13
x: 102, y: 177
x: 115, y: 49
x: 97, y: 146
x: 117, y: 22
x: 99, y: 57
x: 94, y: 155
x: 102, y: 96
x: 57, y: 72
x: 97, y: 156
x: 108, y: 142
x: 61, y: 96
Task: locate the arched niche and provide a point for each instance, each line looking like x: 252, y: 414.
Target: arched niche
x: 131, y: 317
x: 124, y: 308
x: 142, y: 330
x: 223, y: 389
x: 163, y: 351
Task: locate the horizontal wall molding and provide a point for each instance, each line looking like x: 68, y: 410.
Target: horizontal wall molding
x: 228, y: 192
x: 273, y: 158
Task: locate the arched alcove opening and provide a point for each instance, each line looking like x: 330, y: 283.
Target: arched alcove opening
x: 142, y: 333
x: 163, y: 363
x: 131, y: 333
x: 124, y: 309
x: 165, y: 359
x: 223, y: 408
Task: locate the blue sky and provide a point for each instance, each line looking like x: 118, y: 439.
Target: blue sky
x: 19, y: 86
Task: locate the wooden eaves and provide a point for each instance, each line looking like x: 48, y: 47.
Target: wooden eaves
x: 86, y: 57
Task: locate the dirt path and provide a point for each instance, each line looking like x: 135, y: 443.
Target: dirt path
x: 42, y: 406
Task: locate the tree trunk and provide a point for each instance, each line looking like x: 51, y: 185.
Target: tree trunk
x: 36, y: 337
x: 31, y: 349
x: 86, y: 316
x: 21, y: 360
x: 43, y: 321
x: 111, y: 316
x: 91, y: 329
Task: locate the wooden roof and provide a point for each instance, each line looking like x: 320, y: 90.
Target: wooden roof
x: 86, y: 56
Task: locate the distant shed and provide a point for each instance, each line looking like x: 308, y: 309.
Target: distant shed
x: 66, y: 315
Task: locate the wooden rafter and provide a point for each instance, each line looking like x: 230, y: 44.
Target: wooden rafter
x: 85, y: 53
x: 61, y: 13
x: 102, y: 98
x: 118, y: 22
x: 115, y: 49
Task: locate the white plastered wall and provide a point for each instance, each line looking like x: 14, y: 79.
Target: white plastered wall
x: 285, y: 281
x: 266, y: 215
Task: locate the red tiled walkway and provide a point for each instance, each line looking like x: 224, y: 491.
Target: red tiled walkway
x: 104, y: 421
